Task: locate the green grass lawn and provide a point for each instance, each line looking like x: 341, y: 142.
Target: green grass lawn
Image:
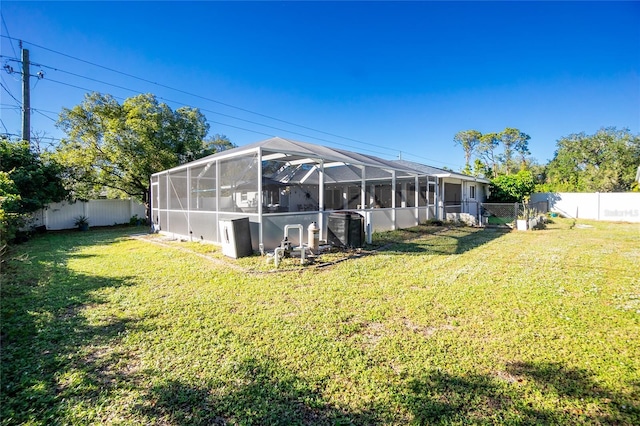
x: 435, y: 326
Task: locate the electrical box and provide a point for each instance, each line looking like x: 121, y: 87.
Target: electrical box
x: 235, y: 235
x: 345, y: 230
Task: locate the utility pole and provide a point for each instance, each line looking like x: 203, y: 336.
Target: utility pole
x: 26, y: 97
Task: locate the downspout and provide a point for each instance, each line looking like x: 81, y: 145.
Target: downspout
x: 393, y: 199
x: 363, y: 187
x: 189, y: 203
x: 441, y: 206
x: 260, y: 201
x: 167, y: 185
x: 219, y: 239
x: 416, y: 198
x: 321, y: 200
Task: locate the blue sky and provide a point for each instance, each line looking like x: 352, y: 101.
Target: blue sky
x: 376, y: 77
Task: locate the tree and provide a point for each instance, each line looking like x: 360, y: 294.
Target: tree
x: 480, y: 169
x: 9, y: 219
x: 27, y: 183
x: 512, y: 188
x: 216, y: 143
x: 514, y: 140
x: 468, y: 139
x: 36, y: 180
x: 522, y: 147
x: 606, y: 161
x: 119, y: 146
x: 486, y: 150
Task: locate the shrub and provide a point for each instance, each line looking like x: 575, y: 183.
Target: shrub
x: 512, y: 188
x: 137, y: 221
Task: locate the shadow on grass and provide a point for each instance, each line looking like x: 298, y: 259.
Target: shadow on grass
x: 52, y: 357
x: 437, y: 241
x: 259, y: 393
x: 580, y: 390
x: 440, y: 398
x: 262, y: 393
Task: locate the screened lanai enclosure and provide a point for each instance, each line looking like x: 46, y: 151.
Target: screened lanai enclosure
x: 279, y: 182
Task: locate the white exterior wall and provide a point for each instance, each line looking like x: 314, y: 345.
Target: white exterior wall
x: 469, y: 207
x: 59, y: 216
x: 609, y: 206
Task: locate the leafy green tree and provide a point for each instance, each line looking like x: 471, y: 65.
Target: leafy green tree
x: 9, y: 219
x: 513, y: 140
x: 486, y: 151
x: 480, y: 169
x: 27, y: 183
x: 512, y: 188
x: 215, y: 143
x: 521, y: 147
x: 119, y: 146
x: 468, y: 139
x: 9, y: 194
x: 36, y: 180
x: 606, y: 161
x: 539, y: 173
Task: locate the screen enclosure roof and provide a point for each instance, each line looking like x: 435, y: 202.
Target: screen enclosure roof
x: 303, y: 153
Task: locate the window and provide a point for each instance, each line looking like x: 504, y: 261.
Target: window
x: 472, y: 192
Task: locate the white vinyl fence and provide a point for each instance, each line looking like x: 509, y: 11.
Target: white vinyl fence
x: 608, y: 206
x: 99, y: 212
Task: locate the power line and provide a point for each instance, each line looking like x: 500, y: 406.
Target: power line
x: 10, y: 134
x: 214, y: 101
x: 43, y: 114
x: 213, y: 112
x: 6, y: 87
x: 85, y: 77
x: 47, y: 111
x: 205, y: 110
x: 50, y: 138
x: 9, y: 106
x: 5, y: 127
x: 75, y: 87
x: 4, y: 24
x: 242, y: 128
x: 10, y: 94
x: 224, y: 115
x: 206, y: 98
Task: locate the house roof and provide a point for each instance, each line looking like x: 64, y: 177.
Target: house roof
x: 441, y: 173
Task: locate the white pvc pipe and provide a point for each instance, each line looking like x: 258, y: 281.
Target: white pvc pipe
x: 300, y: 228
x: 276, y: 255
x: 297, y: 226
